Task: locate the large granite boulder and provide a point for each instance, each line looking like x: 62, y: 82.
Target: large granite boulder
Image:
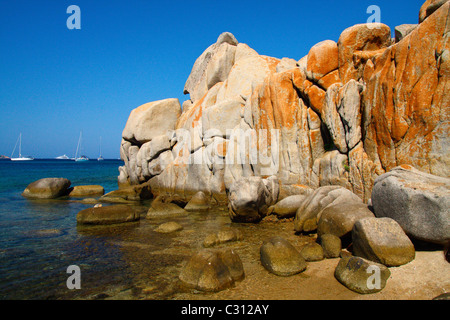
x: 287, y: 207
x: 382, y: 240
x: 47, y: 188
x: 151, y: 120
x: 340, y: 218
x: 418, y: 201
x: 310, y: 211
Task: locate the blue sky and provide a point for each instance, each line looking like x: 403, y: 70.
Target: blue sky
x: 56, y: 82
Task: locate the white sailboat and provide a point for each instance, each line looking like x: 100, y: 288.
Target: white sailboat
x: 80, y: 158
x: 100, y: 158
x: 20, y: 158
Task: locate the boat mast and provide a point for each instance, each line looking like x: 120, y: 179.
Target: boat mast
x: 78, y: 146
x: 20, y: 145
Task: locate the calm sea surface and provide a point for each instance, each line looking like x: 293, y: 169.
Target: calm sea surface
x: 39, y: 239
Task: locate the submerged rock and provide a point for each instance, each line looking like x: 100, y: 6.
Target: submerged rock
x: 169, y: 227
x: 281, y: 258
x: 199, y: 202
x: 223, y: 236
x: 47, y: 188
x: 161, y: 210
x: 212, y: 270
x: 107, y: 215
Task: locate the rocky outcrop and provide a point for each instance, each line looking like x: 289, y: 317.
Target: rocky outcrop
x: 347, y: 112
x: 47, y: 188
x: 418, y: 201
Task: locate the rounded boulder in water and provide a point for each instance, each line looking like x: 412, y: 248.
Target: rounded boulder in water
x: 47, y: 188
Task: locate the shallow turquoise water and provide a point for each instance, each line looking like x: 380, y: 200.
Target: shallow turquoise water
x: 39, y: 239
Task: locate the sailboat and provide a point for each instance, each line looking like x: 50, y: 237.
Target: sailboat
x: 80, y: 158
x: 100, y: 158
x: 20, y: 158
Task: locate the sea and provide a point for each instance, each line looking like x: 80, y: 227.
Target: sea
x: 41, y: 242
x: 39, y: 239
x: 46, y: 255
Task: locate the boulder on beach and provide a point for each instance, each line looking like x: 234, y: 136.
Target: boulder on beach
x: 47, y: 188
x: 339, y: 219
x: 212, y: 270
x: 309, y: 213
x: 280, y: 257
x: 382, y: 240
x: 107, y: 215
x: 86, y: 191
x: 418, y: 201
x: 312, y: 252
x: 331, y: 244
x: 361, y: 275
x: 287, y: 207
x: 249, y: 199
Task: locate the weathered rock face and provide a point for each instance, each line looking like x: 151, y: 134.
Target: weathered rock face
x: 47, y: 188
x: 418, y: 201
x: 344, y: 114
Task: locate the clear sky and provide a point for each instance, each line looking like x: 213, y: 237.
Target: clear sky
x: 56, y: 82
